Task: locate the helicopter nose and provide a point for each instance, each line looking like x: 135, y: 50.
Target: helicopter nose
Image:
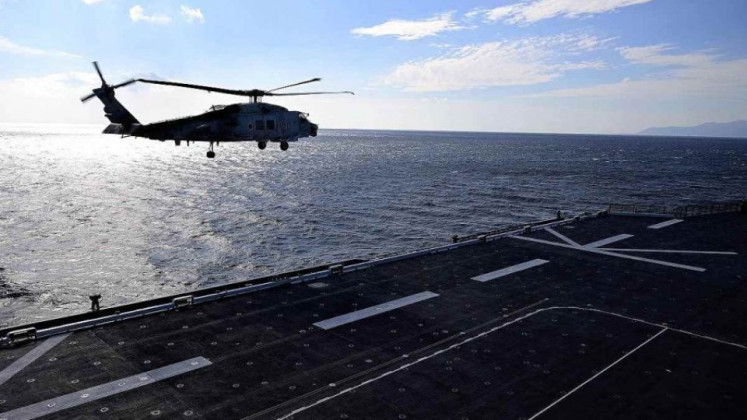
x: 314, y: 129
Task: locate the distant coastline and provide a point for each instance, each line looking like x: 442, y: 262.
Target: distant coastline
x: 735, y: 129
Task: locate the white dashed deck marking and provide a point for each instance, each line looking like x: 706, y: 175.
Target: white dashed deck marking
x: 509, y: 270
x: 374, y: 310
x: 98, y: 392
x: 665, y: 224
x: 562, y: 237
x: 29, y: 357
x: 607, y: 241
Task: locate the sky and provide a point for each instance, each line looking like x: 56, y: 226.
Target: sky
x: 570, y: 66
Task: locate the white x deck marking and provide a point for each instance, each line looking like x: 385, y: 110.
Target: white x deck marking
x: 611, y: 254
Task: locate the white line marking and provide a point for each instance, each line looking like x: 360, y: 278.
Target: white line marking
x: 407, y: 365
x: 598, y: 373
x: 490, y: 331
x: 665, y: 224
x: 87, y: 395
x: 29, y: 357
x: 671, y: 251
x: 509, y: 270
x: 612, y: 254
x: 564, y: 238
x: 603, y: 242
x: 690, y: 333
x: 374, y: 310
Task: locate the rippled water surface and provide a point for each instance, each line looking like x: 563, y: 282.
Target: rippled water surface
x: 82, y: 212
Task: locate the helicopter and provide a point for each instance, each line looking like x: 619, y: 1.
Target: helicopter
x: 247, y: 121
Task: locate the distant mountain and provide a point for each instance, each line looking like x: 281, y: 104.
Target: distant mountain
x: 732, y: 129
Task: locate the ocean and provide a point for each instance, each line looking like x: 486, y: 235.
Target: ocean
x: 131, y: 219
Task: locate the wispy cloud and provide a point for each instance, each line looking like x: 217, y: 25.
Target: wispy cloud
x: 516, y: 63
x: 92, y: 1
x: 408, y: 30
x: 699, y: 74
x: 192, y: 14
x: 531, y: 11
x: 11, y: 47
x: 137, y: 14
x: 655, y: 55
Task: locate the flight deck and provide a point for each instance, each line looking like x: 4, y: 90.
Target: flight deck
x: 599, y: 316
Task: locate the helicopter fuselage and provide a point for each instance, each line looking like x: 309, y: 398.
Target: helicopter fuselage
x: 260, y: 122
x: 249, y: 121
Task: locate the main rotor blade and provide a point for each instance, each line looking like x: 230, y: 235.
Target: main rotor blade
x: 123, y: 84
x: 310, y: 93
x: 316, y: 79
x: 87, y: 97
x: 201, y: 87
x: 101, y: 76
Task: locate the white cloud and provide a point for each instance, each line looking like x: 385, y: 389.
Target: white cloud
x: 523, y: 62
x: 654, y: 55
x: 137, y: 14
x: 11, y: 47
x: 531, y: 11
x: 92, y: 1
x: 57, y: 82
x: 408, y: 30
x: 191, y: 14
x: 697, y: 74
x: 56, y: 98
x: 48, y: 98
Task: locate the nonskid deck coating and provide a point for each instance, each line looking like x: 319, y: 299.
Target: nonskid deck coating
x: 585, y: 335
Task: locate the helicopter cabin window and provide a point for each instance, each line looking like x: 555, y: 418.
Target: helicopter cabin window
x: 270, y: 124
x: 260, y: 125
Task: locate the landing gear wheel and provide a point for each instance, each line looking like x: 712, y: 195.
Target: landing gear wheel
x: 261, y: 145
x: 210, y: 154
x: 283, y: 145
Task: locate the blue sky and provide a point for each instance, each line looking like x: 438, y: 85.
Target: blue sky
x: 604, y: 66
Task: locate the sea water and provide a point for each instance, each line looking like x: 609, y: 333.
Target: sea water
x: 132, y: 219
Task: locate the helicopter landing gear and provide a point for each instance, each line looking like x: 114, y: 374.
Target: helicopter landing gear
x: 211, y: 153
x: 283, y: 145
x: 262, y: 145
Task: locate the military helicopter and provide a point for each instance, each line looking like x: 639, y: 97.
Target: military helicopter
x: 249, y: 121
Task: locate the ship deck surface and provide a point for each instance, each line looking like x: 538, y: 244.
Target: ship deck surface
x: 581, y: 321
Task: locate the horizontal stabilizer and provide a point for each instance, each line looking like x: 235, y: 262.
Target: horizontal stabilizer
x: 121, y: 129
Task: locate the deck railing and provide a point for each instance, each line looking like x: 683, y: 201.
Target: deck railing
x: 637, y: 208
x: 681, y: 211
x: 713, y: 208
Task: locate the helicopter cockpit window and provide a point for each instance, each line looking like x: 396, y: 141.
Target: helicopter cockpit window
x: 260, y: 125
x: 302, y: 116
x: 270, y: 124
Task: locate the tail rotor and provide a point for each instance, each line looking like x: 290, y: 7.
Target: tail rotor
x: 98, y: 70
x: 105, y: 88
x: 113, y: 109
